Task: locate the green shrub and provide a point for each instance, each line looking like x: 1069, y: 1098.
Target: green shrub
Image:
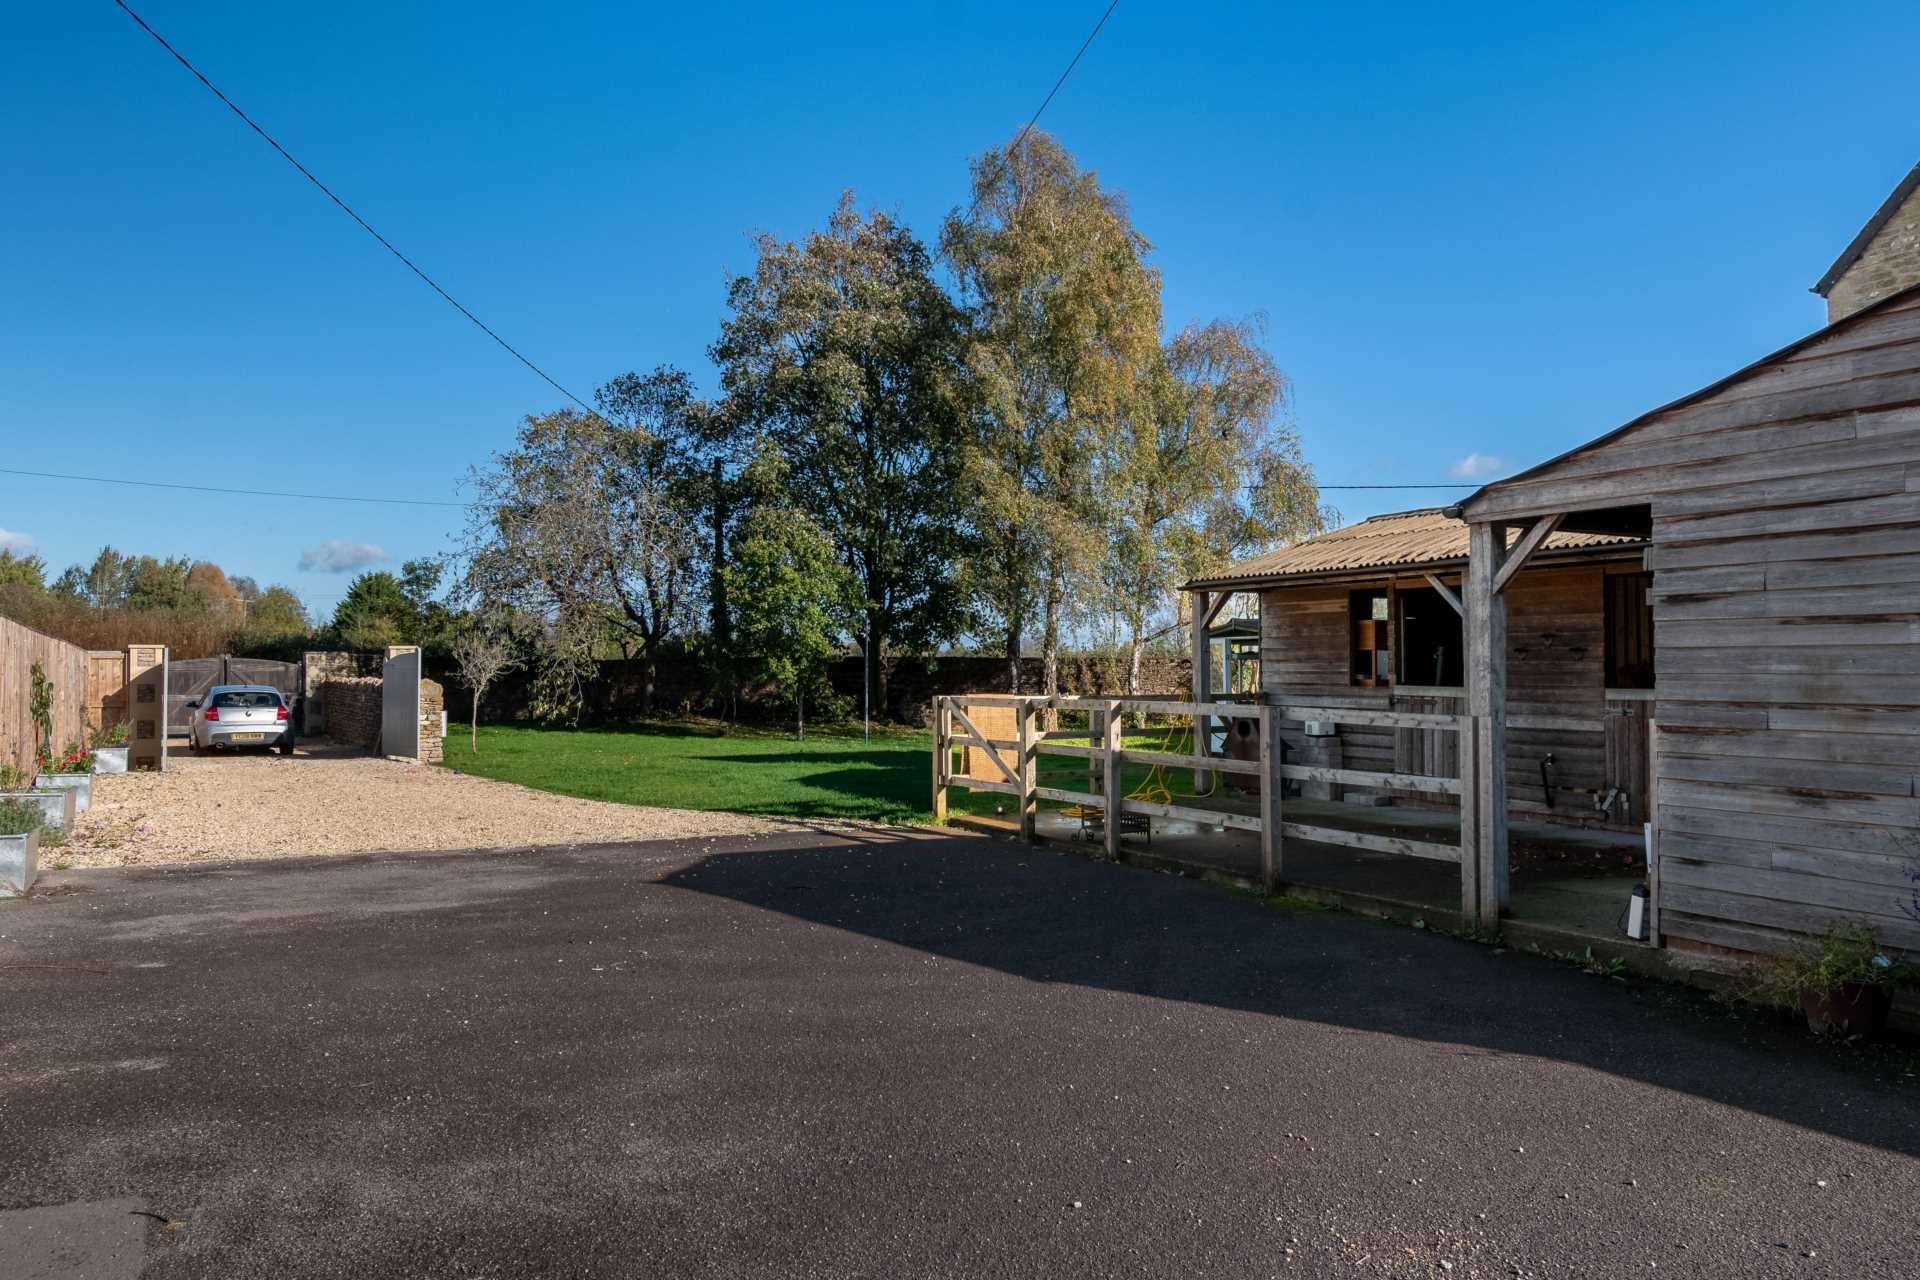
x: 18, y: 817
x: 1845, y: 953
x: 112, y: 735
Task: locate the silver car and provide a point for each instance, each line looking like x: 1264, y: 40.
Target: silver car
x: 241, y: 715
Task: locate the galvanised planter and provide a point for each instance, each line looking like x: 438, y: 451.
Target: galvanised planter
x: 56, y: 807
x: 109, y: 759
x: 81, y: 784
x: 19, y: 862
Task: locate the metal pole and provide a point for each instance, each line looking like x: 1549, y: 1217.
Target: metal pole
x: 866, y: 688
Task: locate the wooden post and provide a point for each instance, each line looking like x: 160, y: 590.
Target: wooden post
x: 1270, y: 784
x: 1468, y: 755
x: 1487, y: 702
x: 1654, y: 746
x: 1024, y: 769
x: 1202, y: 686
x: 942, y: 759
x: 1113, y: 737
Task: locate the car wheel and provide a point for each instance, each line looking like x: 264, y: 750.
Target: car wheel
x: 286, y: 746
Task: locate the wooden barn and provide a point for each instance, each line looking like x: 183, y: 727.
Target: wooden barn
x: 1369, y: 617
x: 1707, y: 619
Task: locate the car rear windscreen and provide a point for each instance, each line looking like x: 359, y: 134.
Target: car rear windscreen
x: 240, y: 700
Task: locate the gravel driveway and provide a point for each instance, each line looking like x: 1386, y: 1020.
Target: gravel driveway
x: 331, y: 799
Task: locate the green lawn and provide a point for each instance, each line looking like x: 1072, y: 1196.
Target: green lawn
x: 832, y: 774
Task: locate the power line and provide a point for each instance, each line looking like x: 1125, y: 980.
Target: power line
x: 430, y: 502
x: 1045, y: 102
x: 348, y: 210
x: 206, y: 488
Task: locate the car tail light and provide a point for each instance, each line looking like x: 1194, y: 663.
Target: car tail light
x: 281, y: 714
x: 213, y: 714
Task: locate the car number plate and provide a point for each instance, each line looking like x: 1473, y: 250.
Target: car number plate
x: 246, y: 737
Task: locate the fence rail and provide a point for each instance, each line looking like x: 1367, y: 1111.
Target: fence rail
x: 1006, y: 765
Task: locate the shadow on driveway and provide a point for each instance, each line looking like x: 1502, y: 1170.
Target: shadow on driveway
x: 1055, y: 918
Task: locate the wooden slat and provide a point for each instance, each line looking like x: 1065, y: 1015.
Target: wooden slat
x: 1358, y: 716
x: 1375, y: 844
x: 1238, y: 821
x: 1066, y: 749
x: 1223, y: 710
x: 981, y: 784
x: 1225, y: 764
x: 1368, y: 778
x: 1070, y: 797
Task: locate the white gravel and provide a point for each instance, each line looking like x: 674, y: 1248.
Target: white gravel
x: 328, y: 800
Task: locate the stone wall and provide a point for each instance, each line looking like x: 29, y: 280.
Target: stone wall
x: 433, y: 701
x: 1889, y: 263
x: 321, y: 669
x: 352, y: 709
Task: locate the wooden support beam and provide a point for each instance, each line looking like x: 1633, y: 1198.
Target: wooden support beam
x: 1218, y: 607
x: 1655, y: 745
x: 1469, y: 818
x: 1272, y: 834
x: 1112, y: 734
x: 1486, y: 629
x: 1516, y: 559
x: 942, y: 760
x: 1202, y: 685
x: 1447, y: 594
x: 1029, y: 803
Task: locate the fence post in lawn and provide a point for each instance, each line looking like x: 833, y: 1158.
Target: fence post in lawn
x: 1029, y: 803
x: 942, y: 758
x: 1112, y: 736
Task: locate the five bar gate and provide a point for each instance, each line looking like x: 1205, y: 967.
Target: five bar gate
x: 1008, y: 768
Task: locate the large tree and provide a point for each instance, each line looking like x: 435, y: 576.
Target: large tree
x: 1066, y: 318
x: 1204, y: 470
x: 843, y: 352
x: 584, y: 525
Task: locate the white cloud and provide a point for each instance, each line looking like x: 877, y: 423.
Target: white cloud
x: 18, y: 543
x: 337, y: 555
x: 1476, y: 466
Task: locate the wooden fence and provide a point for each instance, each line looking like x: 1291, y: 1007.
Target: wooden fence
x: 1007, y: 766
x: 63, y: 664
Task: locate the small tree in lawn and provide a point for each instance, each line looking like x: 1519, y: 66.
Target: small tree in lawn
x: 792, y: 599
x: 484, y: 650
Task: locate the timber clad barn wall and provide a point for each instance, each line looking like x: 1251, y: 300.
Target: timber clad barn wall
x: 1785, y: 509
x: 63, y: 664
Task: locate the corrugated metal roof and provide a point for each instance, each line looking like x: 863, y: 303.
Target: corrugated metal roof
x: 1404, y: 539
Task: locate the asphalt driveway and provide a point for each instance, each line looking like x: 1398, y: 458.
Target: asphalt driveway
x: 835, y: 1055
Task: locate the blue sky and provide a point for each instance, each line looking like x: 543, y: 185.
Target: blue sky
x: 1494, y: 231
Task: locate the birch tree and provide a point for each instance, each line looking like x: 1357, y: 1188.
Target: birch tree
x: 1205, y: 469
x: 1065, y: 324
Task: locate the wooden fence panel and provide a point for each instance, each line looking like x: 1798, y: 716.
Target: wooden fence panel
x: 63, y: 664
x: 106, y: 687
